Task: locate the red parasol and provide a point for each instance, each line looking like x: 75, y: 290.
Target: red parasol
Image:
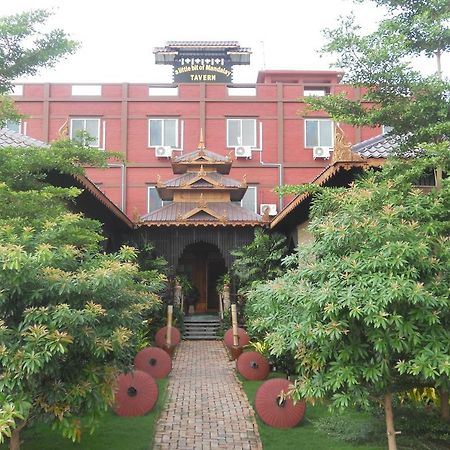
x: 243, y: 337
x: 253, y: 366
x: 274, y: 409
x: 154, y: 361
x: 161, y: 337
x: 136, y: 395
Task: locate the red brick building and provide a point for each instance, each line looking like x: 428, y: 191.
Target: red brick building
x: 262, y: 125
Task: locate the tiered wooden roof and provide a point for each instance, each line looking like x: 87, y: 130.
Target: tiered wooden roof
x: 202, y: 194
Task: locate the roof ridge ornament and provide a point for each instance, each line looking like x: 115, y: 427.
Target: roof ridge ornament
x: 343, y: 149
x: 201, y: 144
x: 202, y: 203
x: 63, y: 131
x: 201, y: 172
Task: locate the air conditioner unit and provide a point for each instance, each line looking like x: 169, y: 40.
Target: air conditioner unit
x: 243, y: 151
x: 270, y: 208
x: 163, y: 151
x: 321, y: 152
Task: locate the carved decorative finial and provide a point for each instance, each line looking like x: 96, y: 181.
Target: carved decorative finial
x: 201, y: 144
x: 158, y: 179
x: 136, y: 216
x: 342, y: 149
x: 230, y: 155
x: 63, y: 132
x: 244, y: 180
x: 202, y: 202
x: 201, y: 172
x: 265, y: 215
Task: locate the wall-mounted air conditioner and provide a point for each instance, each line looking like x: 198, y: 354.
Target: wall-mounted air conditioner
x: 163, y: 151
x: 243, y: 151
x: 321, y: 152
x: 269, y: 208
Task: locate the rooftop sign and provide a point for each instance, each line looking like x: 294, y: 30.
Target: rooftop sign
x: 202, y: 61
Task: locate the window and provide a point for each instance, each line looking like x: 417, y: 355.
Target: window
x: 385, y: 129
x: 14, y: 125
x: 241, y: 132
x: 81, y: 128
x: 315, y: 92
x: 86, y: 89
x: 163, y: 132
x: 154, y: 201
x: 249, y: 199
x: 17, y: 89
x: 245, y: 91
x: 162, y: 90
x: 318, y: 132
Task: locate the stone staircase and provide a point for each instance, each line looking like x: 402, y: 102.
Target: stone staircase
x: 201, y: 327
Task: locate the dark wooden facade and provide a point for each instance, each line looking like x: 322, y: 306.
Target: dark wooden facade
x: 170, y: 242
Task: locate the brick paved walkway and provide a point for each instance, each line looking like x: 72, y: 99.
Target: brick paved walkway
x: 206, y: 406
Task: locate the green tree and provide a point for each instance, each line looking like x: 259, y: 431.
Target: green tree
x: 365, y: 308
x: 71, y: 315
x: 382, y: 64
x: 24, y: 49
x: 260, y: 260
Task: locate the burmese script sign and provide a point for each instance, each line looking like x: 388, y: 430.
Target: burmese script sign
x: 202, y: 70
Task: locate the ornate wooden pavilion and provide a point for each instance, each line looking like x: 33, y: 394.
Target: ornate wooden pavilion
x: 202, y: 221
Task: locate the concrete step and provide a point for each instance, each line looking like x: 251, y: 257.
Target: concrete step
x: 201, y: 327
x: 202, y: 318
x: 188, y: 328
x: 211, y: 337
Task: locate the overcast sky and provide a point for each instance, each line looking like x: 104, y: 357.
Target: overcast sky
x: 118, y: 36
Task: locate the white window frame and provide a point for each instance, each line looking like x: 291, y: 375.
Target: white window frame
x: 162, y: 119
x: 319, y: 144
x: 255, y: 190
x: 229, y: 119
x: 94, y: 145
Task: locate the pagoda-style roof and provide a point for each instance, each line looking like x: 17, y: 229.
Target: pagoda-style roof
x: 201, y: 157
x: 202, y: 213
x: 202, y: 181
x: 202, y: 194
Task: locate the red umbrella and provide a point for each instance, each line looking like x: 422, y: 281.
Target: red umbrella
x: 136, y: 395
x: 274, y: 409
x: 154, y: 361
x: 253, y: 366
x: 161, y: 337
x: 243, y: 337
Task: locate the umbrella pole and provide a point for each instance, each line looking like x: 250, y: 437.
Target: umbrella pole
x: 235, y: 325
x: 169, y: 325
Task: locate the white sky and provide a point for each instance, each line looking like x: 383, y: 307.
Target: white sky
x: 118, y: 36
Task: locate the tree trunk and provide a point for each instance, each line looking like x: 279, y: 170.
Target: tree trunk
x: 439, y: 63
x: 392, y: 444
x: 445, y: 413
x: 14, y: 440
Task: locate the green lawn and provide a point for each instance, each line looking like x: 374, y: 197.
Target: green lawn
x: 304, y: 436
x: 113, y: 433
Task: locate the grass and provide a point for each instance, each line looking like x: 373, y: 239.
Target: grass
x: 113, y: 432
x: 304, y: 435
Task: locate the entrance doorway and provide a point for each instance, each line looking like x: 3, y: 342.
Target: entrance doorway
x: 203, y: 264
